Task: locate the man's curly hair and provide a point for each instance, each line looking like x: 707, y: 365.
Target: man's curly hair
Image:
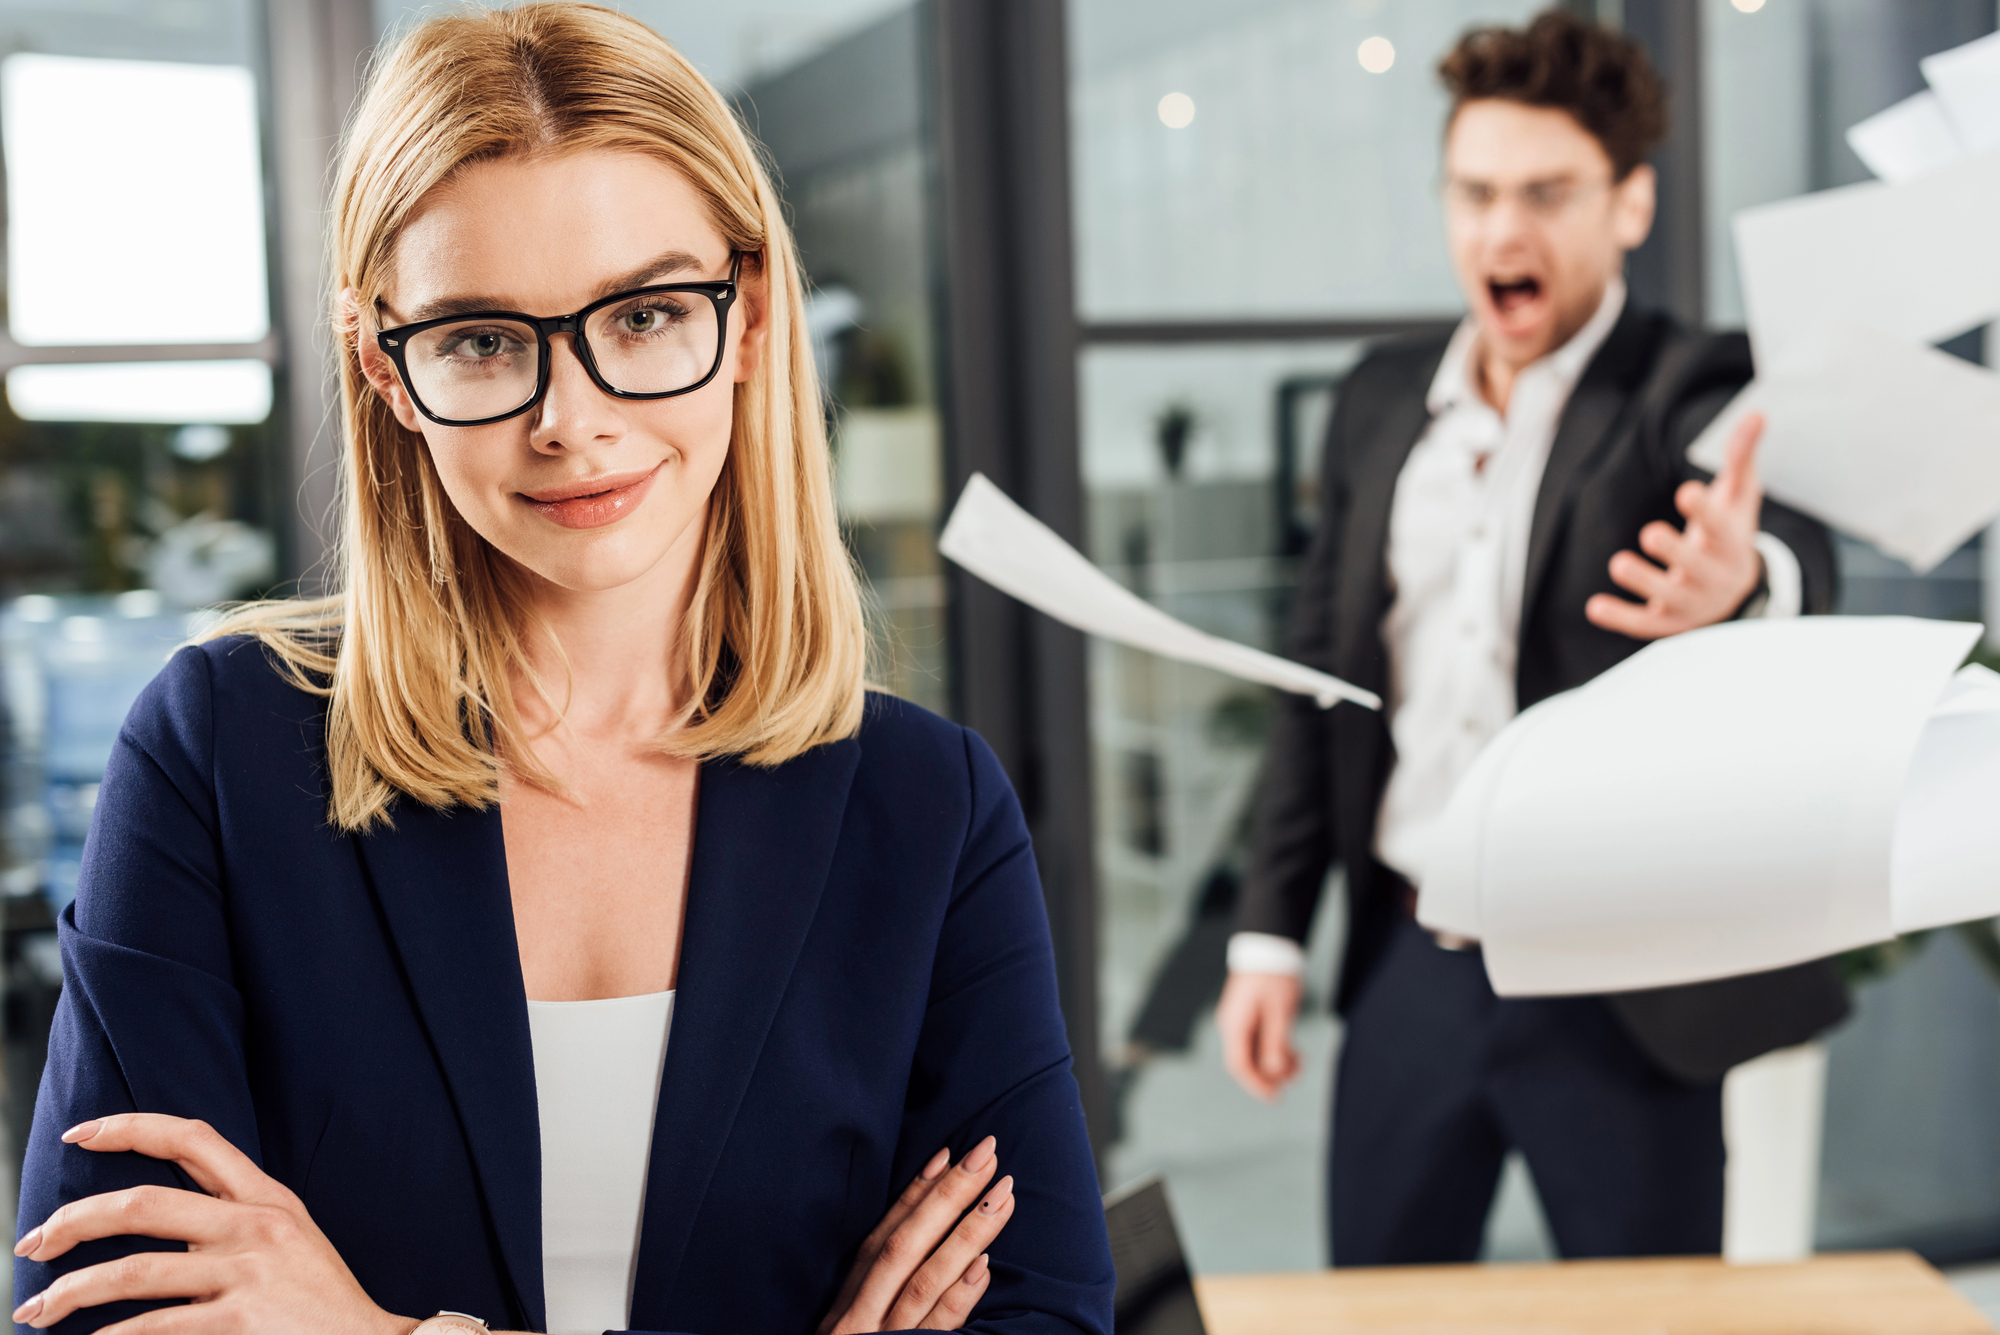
x: 1600, y: 77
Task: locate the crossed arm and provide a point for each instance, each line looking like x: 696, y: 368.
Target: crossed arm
x: 256, y: 1261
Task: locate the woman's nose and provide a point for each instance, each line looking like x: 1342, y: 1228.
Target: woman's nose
x: 574, y: 412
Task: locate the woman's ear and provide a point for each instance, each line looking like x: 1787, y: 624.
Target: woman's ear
x: 753, y: 302
x: 376, y: 367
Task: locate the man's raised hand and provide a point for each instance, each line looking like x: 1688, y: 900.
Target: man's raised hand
x: 1704, y: 572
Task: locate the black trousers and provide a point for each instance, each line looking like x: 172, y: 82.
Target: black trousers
x: 1439, y: 1078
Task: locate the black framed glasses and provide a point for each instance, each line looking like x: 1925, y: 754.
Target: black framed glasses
x: 487, y: 366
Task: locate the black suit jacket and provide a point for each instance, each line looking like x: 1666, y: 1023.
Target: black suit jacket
x: 1620, y: 452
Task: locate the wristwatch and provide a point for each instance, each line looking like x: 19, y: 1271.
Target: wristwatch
x: 451, y: 1323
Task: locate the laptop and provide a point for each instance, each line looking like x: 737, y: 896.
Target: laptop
x: 1155, y: 1290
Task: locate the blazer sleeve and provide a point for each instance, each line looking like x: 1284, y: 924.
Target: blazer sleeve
x: 1719, y: 368
x: 150, y: 1017
x: 993, y: 1058
x: 1292, y: 835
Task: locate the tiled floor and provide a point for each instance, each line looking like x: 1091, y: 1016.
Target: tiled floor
x: 1247, y: 1180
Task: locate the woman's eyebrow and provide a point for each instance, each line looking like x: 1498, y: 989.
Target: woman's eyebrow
x: 661, y: 266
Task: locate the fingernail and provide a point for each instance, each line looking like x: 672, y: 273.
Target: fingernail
x: 978, y: 1157
x: 81, y: 1131
x: 977, y: 1270
x: 998, y: 1196
x: 27, y: 1244
x: 29, y: 1310
x: 936, y: 1165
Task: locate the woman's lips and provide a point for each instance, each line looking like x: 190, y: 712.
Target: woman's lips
x: 595, y: 502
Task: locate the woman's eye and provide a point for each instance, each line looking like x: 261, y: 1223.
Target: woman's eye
x: 650, y: 319
x: 479, y: 344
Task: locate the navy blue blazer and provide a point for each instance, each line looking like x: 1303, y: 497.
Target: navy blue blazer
x: 865, y: 977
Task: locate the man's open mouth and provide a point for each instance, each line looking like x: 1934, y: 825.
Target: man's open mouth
x: 1513, y: 293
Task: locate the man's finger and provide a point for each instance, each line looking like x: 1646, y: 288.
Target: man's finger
x: 1275, y: 1058
x: 974, y: 1234
x: 218, y: 1167
x: 1615, y: 614
x: 1666, y: 544
x: 139, y: 1276
x: 146, y: 1212
x: 1739, y: 460
x: 959, y: 1300
x: 1635, y: 574
x: 1240, y: 1017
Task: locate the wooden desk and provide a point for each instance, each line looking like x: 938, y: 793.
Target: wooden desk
x: 1870, y: 1293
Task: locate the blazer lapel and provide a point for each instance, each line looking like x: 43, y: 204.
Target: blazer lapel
x: 441, y: 879
x: 1600, y: 400
x: 1363, y: 573
x: 764, y: 842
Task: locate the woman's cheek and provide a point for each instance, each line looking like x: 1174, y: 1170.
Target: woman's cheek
x: 478, y: 494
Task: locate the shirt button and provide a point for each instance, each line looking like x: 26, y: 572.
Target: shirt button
x: 1472, y: 725
x: 1479, y: 532
x: 1471, y: 628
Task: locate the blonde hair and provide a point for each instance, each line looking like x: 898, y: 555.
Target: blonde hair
x: 419, y: 649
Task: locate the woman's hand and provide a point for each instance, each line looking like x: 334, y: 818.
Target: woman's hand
x: 255, y: 1259
x: 916, y: 1270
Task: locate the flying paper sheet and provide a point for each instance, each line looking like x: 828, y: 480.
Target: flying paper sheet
x: 1957, y: 116
x: 1947, y: 846
x: 1966, y: 80
x: 1914, y: 259
x: 1727, y: 801
x: 1909, y: 138
x: 1016, y: 553
x: 1869, y: 427
x: 1915, y: 471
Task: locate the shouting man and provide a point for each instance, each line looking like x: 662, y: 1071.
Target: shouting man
x: 1507, y: 512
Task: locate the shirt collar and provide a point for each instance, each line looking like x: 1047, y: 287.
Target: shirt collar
x: 1452, y: 386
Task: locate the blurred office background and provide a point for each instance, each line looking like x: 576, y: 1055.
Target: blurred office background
x: 1115, y: 254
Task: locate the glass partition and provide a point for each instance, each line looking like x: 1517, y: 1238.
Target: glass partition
x: 1232, y: 163
x: 846, y: 128
x: 1261, y: 157
x: 1200, y: 470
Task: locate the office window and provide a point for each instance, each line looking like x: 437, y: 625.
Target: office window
x: 138, y: 482
x: 139, y: 366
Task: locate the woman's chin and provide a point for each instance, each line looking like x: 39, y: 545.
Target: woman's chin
x: 604, y: 565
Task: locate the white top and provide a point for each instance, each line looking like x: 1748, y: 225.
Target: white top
x: 597, y: 1083
x: 1457, y: 561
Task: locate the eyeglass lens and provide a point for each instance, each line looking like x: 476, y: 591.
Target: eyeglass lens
x: 654, y: 343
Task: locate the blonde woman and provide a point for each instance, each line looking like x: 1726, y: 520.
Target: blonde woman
x: 548, y: 931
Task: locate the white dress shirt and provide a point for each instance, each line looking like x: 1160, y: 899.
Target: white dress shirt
x: 597, y: 1086
x: 1457, y: 562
